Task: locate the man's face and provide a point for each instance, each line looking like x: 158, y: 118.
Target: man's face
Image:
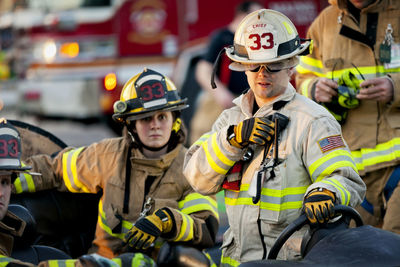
x: 360, y: 4
x: 5, y: 193
x: 266, y: 86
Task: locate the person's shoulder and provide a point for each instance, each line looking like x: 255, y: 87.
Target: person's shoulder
x: 328, y: 15
x: 112, y: 144
x: 308, y: 109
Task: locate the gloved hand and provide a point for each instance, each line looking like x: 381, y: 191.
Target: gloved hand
x: 258, y: 130
x: 318, y: 206
x: 348, y: 88
x: 147, y: 229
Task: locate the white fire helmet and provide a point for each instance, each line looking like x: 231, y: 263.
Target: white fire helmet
x: 266, y: 36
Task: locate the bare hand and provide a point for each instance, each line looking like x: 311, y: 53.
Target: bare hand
x: 378, y: 89
x: 325, y: 90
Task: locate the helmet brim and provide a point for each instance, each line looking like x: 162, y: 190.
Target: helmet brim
x: 149, y: 112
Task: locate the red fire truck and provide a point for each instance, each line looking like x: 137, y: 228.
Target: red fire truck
x: 80, y: 58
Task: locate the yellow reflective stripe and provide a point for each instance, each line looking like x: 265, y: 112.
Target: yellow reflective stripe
x: 4, y: 260
x: 385, y: 152
x: 212, y: 263
x: 344, y: 159
x: 24, y: 183
x: 310, y: 65
x: 295, y: 192
x: 186, y: 231
x: 344, y: 193
x: 118, y: 261
x: 304, y: 87
x: 203, y: 138
x: 102, y: 221
x: 312, y: 62
x: 367, y: 72
x: 218, y: 152
x: 195, y: 202
x: 211, y: 161
x: 228, y: 262
x: 62, y: 263
x: 69, y: 169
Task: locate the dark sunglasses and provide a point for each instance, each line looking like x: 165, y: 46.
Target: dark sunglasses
x: 258, y: 68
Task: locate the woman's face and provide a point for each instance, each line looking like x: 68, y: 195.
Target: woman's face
x: 154, y: 131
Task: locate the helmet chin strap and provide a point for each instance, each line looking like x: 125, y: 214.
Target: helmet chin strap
x: 214, y: 72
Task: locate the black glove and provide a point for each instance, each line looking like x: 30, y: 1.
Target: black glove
x: 147, y: 229
x: 258, y: 130
x: 318, y: 206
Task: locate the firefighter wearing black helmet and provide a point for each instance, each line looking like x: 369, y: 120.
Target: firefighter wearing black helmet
x: 145, y: 198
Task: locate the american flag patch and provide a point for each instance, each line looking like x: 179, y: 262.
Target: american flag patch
x: 330, y: 142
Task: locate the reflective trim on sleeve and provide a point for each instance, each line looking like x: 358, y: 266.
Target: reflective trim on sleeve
x: 385, y: 152
x: 62, y: 263
x: 328, y: 163
x: 304, y: 87
x: 212, y: 263
x: 228, y: 262
x: 24, y: 183
x: 344, y: 193
x: 203, y: 138
x: 215, y: 158
x: 308, y: 64
x: 186, y: 231
x: 70, y: 175
x: 195, y: 202
x: 102, y: 221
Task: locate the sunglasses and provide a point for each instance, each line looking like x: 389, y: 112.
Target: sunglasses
x: 257, y: 68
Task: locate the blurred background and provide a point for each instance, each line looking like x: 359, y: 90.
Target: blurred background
x: 63, y: 63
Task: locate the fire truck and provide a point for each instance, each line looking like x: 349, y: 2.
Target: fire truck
x: 79, y: 58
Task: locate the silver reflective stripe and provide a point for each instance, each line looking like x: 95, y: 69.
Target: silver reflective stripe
x: 321, y: 168
x: 188, y: 226
x: 24, y: 183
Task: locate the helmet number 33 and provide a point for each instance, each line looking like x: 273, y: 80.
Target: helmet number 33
x: 264, y: 41
x: 151, y: 91
x: 8, y: 148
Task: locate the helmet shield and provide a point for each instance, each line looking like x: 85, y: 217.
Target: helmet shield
x: 145, y: 94
x: 10, y: 149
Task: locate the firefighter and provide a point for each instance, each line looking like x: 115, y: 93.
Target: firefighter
x: 144, y: 193
x: 275, y: 153
x: 362, y: 37
x: 10, y: 167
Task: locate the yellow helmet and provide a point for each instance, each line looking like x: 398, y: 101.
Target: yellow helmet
x: 146, y: 93
x: 266, y: 36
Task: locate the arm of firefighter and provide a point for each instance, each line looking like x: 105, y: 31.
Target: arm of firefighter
x: 196, y: 220
x: 310, y: 67
x: 72, y: 169
x: 330, y: 163
x: 395, y: 79
x: 208, y: 160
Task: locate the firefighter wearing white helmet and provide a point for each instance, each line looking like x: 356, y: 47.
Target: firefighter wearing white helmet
x: 145, y: 196
x: 275, y: 153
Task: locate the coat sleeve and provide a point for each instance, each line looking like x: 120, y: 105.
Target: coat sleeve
x: 330, y: 163
x: 209, y: 159
x: 196, y: 220
x: 73, y: 169
x: 310, y: 67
